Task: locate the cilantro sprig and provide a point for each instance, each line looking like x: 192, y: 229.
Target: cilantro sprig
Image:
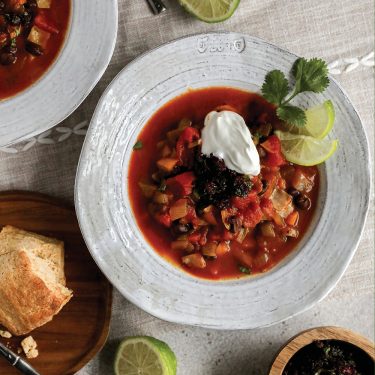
x: 310, y: 75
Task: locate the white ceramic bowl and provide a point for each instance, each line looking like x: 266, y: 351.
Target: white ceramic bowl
x: 85, y: 55
x: 112, y: 235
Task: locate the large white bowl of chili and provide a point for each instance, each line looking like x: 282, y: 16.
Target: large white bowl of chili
x: 146, y: 100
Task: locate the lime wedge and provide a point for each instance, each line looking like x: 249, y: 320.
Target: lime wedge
x: 306, y: 150
x: 144, y: 355
x: 319, y: 122
x: 210, y: 10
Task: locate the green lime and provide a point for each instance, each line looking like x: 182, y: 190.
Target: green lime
x: 211, y: 10
x: 306, y: 150
x: 319, y: 122
x: 144, y: 355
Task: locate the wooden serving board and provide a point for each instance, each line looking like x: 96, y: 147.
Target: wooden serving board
x: 80, y: 330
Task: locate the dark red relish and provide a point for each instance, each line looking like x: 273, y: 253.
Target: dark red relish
x: 330, y: 357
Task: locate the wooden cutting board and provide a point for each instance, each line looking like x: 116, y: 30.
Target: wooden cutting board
x: 80, y: 330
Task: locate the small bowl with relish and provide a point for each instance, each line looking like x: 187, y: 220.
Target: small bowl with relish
x: 326, y: 350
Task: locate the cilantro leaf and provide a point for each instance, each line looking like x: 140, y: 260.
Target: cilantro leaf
x: 275, y: 87
x: 310, y: 75
x: 291, y: 115
x: 138, y: 145
x: 244, y: 270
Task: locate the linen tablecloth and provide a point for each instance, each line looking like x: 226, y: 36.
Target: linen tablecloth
x: 342, y: 33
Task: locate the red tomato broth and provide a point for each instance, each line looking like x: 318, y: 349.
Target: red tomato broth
x: 28, y: 69
x: 195, y: 104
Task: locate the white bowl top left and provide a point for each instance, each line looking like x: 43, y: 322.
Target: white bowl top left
x: 86, y: 53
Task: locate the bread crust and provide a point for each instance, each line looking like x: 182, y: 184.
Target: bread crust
x: 50, y: 249
x: 29, y: 293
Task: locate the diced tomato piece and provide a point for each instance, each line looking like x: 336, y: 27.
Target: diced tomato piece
x: 41, y: 20
x: 257, y: 185
x: 252, y: 215
x: 187, y: 136
x: 267, y: 207
x: 182, y: 184
x: 272, y: 144
x: 164, y: 219
x: 274, y: 160
x: 191, y: 215
x: 194, y: 237
x: 243, y: 202
x: 274, y: 157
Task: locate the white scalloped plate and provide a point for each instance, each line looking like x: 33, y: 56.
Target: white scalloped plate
x: 112, y: 235
x: 86, y: 53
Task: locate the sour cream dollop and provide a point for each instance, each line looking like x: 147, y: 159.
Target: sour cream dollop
x: 226, y: 136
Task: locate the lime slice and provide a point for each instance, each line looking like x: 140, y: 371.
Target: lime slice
x: 210, y: 10
x: 144, y: 355
x: 306, y: 150
x: 319, y: 122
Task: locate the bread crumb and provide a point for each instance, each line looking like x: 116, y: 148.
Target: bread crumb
x: 19, y: 350
x: 29, y: 347
x: 5, y: 334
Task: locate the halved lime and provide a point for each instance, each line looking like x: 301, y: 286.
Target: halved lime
x: 319, y: 122
x: 306, y: 150
x: 211, y: 10
x: 144, y: 355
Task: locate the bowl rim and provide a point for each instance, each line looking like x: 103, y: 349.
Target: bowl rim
x: 46, y: 76
x: 179, y: 320
x: 50, y: 67
x: 304, y: 338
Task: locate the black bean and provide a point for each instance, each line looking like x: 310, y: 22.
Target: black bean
x: 7, y: 58
x: 178, y: 228
x: 34, y: 49
x: 234, y: 223
x: 264, y: 187
x: 26, y: 18
x: 11, y: 48
x: 14, y: 19
x: 293, y: 192
x: 32, y: 5
x: 302, y: 202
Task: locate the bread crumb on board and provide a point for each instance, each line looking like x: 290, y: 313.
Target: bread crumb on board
x: 5, y: 334
x: 29, y: 347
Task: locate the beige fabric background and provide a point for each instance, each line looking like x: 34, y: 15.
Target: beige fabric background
x: 327, y: 28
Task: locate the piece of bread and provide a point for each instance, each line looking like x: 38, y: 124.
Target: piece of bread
x: 49, y: 249
x: 29, y: 293
x: 29, y: 347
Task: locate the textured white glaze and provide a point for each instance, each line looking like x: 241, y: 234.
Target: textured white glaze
x: 137, y: 271
x: 85, y: 55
